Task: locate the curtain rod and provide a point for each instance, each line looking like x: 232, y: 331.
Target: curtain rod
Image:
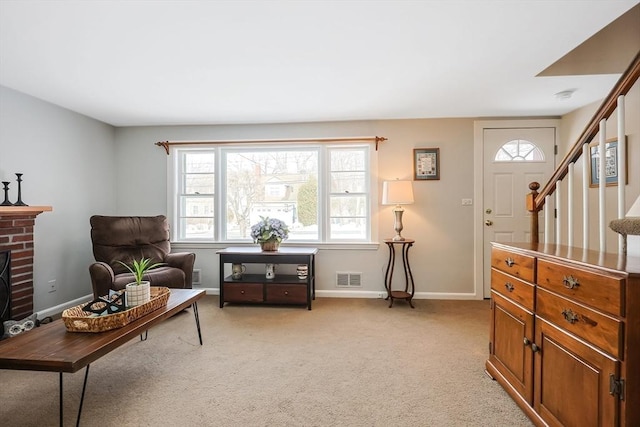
x: 167, y: 144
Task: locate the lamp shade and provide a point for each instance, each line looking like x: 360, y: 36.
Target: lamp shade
x: 397, y: 192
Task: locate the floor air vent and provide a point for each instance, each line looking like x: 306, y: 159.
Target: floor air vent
x: 195, y: 279
x: 348, y: 279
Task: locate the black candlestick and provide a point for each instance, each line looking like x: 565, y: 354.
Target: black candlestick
x: 19, y: 202
x: 6, y: 195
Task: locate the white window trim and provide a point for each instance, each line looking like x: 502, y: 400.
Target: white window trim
x: 173, y: 182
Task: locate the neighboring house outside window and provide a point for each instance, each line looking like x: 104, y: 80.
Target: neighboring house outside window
x: 322, y: 192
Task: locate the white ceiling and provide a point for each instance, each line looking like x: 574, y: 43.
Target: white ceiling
x: 133, y: 63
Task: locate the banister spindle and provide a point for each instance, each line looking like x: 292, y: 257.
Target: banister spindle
x: 548, y: 220
x: 570, y: 205
x: 586, y: 159
x: 602, y: 201
x: 558, y: 212
x: 622, y: 167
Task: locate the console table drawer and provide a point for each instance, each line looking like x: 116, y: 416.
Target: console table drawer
x: 293, y: 294
x: 602, y: 331
x: 515, y: 264
x: 512, y: 288
x: 243, y: 292
x: 600, y: 291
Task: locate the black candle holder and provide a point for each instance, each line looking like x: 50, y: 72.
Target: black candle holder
x: 19, y: 202
x: 6, y: 194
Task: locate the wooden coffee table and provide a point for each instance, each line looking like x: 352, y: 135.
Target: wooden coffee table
x: 51, y: 348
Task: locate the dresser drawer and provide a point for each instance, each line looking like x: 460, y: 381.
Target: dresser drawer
x: 243, y: 292
x: 603, y: 292
x: 518, y: 265
x: 596, y: 328
x: 512, y: 288
x: 293, y: 294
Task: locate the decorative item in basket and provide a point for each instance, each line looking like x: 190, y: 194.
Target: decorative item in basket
x: 114, y: 303
x: 76, y: 319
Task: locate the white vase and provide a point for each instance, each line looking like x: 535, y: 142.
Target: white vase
x: 137, y: 294
x: 270, y: 271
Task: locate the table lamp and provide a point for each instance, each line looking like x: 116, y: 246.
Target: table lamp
x: 397, y: 193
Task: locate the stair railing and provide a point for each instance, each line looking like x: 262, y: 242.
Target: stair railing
x: 536, y: 201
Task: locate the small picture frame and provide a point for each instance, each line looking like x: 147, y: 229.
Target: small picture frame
x: 611, y: 164
x: 426, y: 164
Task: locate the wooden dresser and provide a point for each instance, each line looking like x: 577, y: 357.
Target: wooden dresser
x: 565, y: 333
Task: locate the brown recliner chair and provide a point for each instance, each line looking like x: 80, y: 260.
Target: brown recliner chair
x: 125, y: 238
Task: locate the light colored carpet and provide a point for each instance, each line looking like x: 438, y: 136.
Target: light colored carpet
x: 348, y: 362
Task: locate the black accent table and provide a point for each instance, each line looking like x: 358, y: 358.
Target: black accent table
x: 256, y: 288
x: 409, y: 290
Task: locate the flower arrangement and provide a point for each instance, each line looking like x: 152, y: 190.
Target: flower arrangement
x: 269, y: 230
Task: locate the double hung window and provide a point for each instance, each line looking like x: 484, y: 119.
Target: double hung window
x: 322, y: 192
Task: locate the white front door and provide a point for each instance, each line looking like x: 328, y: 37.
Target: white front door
x: 513, y: 158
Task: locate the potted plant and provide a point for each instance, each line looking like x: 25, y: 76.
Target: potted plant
x: 269, y: 232
x: 139, y: 292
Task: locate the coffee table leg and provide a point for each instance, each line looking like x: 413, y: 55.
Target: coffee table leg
x: 195, y: 313
x: 84, y: 387
x: 61, y: 401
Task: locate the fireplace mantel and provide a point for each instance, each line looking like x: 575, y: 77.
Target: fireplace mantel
x: 23, y: 210
x: 16, y: 236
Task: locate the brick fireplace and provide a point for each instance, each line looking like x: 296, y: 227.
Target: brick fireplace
x: 16, y: 235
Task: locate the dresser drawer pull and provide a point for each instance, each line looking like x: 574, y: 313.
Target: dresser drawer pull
x: 286, y: 292
x: 570, y: 316
x: 509, y: 286
x: 509, y: 261
x: 242, y: 292
x: 570, y: 282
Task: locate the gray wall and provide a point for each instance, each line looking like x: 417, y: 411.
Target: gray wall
x: 83, y: 167
x: 68, y: 163
x: 441, y: 259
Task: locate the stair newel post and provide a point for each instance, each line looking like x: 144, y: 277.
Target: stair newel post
x: 531, y: 207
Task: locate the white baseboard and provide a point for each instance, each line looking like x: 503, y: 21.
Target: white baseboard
x: 445, y: 295
x: 53, y: 311
x: 349, y: 293
x: 374, y: 294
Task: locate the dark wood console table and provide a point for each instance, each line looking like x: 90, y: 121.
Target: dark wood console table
x: 256, y: 288
x: 409, y: 288
x: 51, y: 348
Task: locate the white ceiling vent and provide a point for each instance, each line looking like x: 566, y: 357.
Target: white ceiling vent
x: 345, y: 279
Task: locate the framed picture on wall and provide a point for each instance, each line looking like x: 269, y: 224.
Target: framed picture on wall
x: 611, y: 163
x: 426, y: 163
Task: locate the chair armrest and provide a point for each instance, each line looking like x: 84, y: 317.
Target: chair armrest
x: 102, y: 278
x: 184, y: 261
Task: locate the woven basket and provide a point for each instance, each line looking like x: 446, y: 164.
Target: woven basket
x: 270, y: 245
x: 77, y: 320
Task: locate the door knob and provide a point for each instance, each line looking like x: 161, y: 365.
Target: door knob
x: 488, y: 223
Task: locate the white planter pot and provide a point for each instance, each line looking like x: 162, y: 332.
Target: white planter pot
x: 137, y: 294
